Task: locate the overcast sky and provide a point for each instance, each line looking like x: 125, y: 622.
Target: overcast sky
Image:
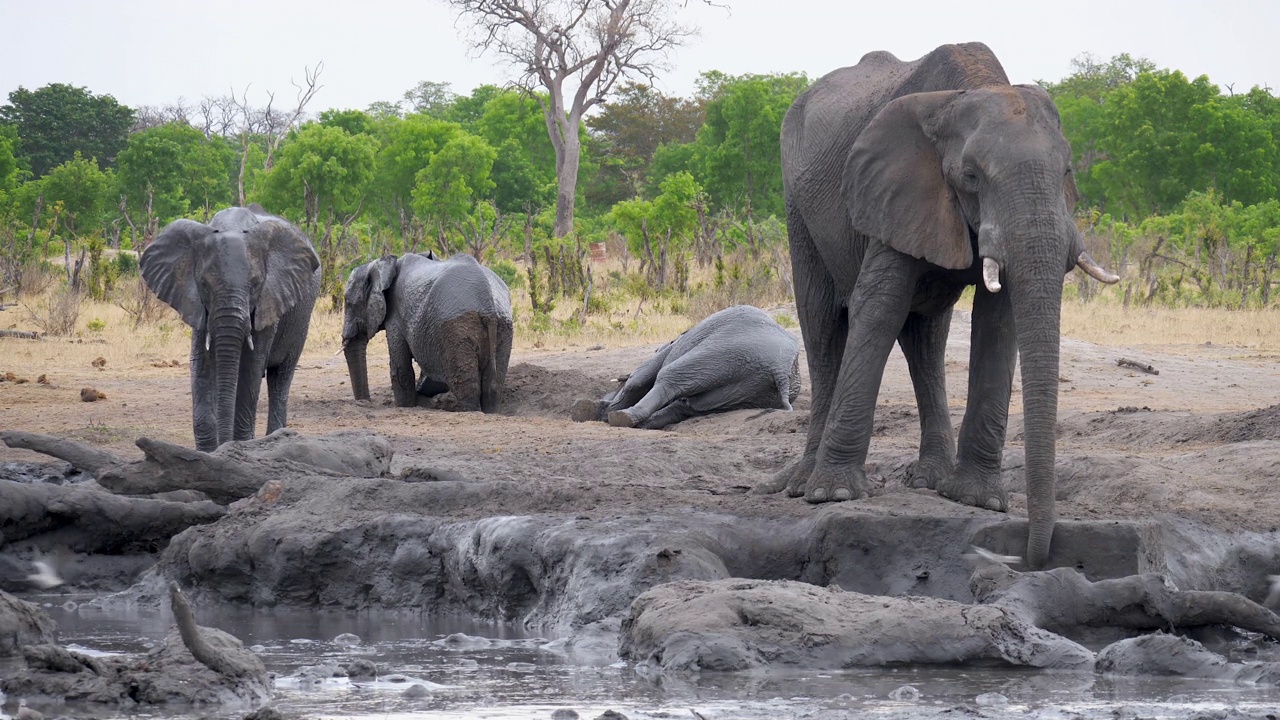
x: 155, y: 51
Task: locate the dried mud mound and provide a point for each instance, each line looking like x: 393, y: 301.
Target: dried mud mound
x: 1263, y: 424
x: 537, y: 391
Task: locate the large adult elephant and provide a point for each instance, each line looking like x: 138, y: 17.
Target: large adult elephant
x: 452, y: 316
x: 246, y: 284
x: 904, y: 183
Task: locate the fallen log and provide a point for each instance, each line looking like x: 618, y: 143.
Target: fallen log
x: 1141, y: 367
x: 1062, y: 599
x: 87, y: 519
x: 233, y: 471
x: 20, y: 334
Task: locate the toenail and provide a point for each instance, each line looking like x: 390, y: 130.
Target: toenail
x: 820, y: 494
x: 841, y: 494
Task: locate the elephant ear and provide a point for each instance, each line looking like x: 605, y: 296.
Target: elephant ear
x: 290, y: 264
x: 168, y: 268
x: 382, y: 273
x: 895, y: 188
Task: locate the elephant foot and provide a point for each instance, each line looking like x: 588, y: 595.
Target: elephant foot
x: 792, y: 478
x: 929, y: 472
x: 979, y: 489
x: 621, y: 418
x: 586, y: 410
x: 836, y: 484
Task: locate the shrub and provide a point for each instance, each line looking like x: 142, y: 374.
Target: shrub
x: 509, y: 273
x: 56, y: 313
x: 96, y: 325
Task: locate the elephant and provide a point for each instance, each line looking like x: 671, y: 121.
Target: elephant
x: 903, y: 184
x: 736, y: 358
x: 246, y: 284
x: 451, y: 316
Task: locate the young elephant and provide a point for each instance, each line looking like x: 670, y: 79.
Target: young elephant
x: 246, y: 284
x: 737, y: 358
x: 453, y: 317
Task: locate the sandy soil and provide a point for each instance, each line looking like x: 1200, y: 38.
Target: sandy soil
x: 1201, y: 440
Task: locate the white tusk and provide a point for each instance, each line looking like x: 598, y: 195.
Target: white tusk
x: 250, y: 341
x: 991, y: 275
x: 1095, y: 271
x: 979, y: 556
x: 206, y: 341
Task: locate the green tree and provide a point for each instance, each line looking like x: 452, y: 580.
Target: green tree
x: 434, y: 99
x: 627, y: 133
x: 737, y: 154
x: 80, y: 192
x: 10, y: 170
x: 167, y: 171
x: 455, y: 180
x: 407, y: 148
x: 354, y: 122
x: 57, y: 121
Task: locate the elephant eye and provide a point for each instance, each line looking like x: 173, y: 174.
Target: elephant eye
x: 970, y: 179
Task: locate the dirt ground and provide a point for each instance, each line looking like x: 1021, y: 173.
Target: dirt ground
x: 1200, y: 440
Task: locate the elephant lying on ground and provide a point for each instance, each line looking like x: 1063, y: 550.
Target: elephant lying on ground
x: 904, y: 183
x: 246, y: 284
x: 453, y: 317
x: 737, y: 358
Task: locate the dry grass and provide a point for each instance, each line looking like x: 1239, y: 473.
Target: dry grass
x: 1109, y: 324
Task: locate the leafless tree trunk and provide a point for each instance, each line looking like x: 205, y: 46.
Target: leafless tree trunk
x: 575, y: 51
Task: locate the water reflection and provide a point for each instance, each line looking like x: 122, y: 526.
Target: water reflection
x: 494, y: 672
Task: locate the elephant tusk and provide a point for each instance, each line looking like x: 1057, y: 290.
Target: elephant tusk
x: 1095, y: 271
x: 206, y: 341
x: 250, y: 337
x: 991, y: 275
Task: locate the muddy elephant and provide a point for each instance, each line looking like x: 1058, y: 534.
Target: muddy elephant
x: 453, y: 317
x: 246, y: 283
x: 905, y: 183
x: 737, y: 358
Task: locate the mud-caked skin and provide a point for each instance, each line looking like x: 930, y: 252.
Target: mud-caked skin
x: 453, y: 317
x: 246, y: 283
x: 906, y: 182
x: 734, y: 359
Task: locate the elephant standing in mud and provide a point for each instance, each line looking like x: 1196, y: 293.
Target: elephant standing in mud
x: 737, y: 358
x: 906, y: 182
x: 452, y: 316
x: 246, y: 284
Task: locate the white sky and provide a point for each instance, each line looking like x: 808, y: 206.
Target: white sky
x: 155, y: 51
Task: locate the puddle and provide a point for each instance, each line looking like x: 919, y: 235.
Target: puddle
x: 471, y: 671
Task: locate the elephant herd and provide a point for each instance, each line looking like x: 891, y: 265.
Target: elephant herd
x: 904, y: 184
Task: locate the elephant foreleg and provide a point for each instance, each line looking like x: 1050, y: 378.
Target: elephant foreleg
x: 404, y: 386
x: 248, y: 388
x: 993, y: 352
x: 279, y: 380
x: 204, y: 416
x: 824, y: 327
x: 924, y: 341
x: 877, y: 311
x: 639, y: 383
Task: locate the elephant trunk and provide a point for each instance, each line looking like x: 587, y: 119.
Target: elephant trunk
x: 227, y: 328
x: 1035, y: 281
x: 356, y: 351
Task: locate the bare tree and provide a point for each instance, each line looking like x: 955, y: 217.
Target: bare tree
x: 575, y: 51
x: 268, y: 123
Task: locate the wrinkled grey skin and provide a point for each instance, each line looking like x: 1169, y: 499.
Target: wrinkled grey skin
x: 246, y: 284
x: 453, y: 317
x: 901, y: 179
x: 737, y: 358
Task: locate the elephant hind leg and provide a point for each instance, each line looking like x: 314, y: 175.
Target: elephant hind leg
x: 924, y: 340
x: 279, y: 380
x: 461, y: 341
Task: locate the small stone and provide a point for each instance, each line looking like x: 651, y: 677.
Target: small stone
x: 611, y: 715
x: 43, y: 379
x: 88, y: 394
x: 415, y: 691
x: 396, y: 678
x: 99, y: 362
x: 906, y: 693
x: 564, y: 714
x: 264, y: 713
x: 991, y: 700
x: 347, y: 639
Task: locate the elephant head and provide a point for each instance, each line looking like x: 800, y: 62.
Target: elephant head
x: 980, y: 180
x: 364, y: 315
x: 228, y: 280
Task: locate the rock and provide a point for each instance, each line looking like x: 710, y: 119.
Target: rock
x: 415, y: 691
x: 564, y: 714
x: 743, y: 624
x: 347, y: 640
x: 906, y: 693
x: 991, y: 699
x: 611, y: 715
x: 362, y: 669
x: 22, y: 623
x: 99, y: 362
x: 264, y: 713
x: 88, y: 394
x: 1173, y: 656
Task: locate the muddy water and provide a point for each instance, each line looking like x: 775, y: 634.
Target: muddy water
x: 498, y: 672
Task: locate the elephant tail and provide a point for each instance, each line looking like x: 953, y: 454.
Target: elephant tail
x: 489, y: 367
x: 788, y: 384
